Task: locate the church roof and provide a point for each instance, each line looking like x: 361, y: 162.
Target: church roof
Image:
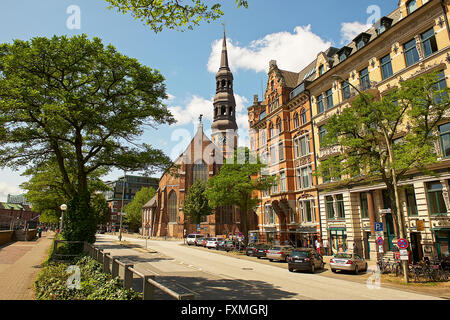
x: 151, y: 203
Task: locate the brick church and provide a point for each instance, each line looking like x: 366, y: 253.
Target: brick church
x: 201, y: 160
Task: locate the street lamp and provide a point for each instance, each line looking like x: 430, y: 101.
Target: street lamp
x: 401, y: 228
x: 63, y: 209
x: 121, y: 207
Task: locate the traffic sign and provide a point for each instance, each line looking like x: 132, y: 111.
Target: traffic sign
x: 380, y: 241
x: 380, y: 249
x: 402, y: 243
x: 147, y: 226
x: 378, y: 226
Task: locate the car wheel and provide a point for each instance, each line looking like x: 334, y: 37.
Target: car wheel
x: 271, y: 260
x: 287, y: 259
x: 333, y: 270
x: 365, y: 269
x: 259, y: 257
x: 313, y: 268
x: 356, y: 269
x: 322, y: 266
x: 291, y: 269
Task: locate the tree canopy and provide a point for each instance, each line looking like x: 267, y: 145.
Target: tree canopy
x: 134, y: 208
x: 196, y: 204
x: 236, y: 184
x: 82, y: 103
x: 172, y: 14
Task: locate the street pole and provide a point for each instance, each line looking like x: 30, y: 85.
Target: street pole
x: 121, y: 207
x: 401, y: 227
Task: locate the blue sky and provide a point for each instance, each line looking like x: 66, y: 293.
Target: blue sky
x: 289, y: 31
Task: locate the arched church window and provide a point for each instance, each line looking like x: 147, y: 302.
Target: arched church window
x: 223, y: 111
x: 173, y: 204
x: 223, y: 83
x: 279, y: 126
x: 200, y: 172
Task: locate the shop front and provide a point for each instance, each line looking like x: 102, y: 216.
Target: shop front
x: 338, y: 240
x: 442, y: 237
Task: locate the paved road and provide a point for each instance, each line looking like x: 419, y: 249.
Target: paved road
x: 220, y: 277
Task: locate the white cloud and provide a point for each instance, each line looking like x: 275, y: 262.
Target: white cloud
x: 349, y: 30
x: 6, y: 189
x: 293, y: 51
x: 170, y: 97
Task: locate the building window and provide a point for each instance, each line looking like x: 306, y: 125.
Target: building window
x: 329, y: 205
x: 386, y: 67
x: 282, y: 181
x: 411, y: 204
x: 322, y: 133
x: 273, y: 155
x: 441, y: 84
x: 269, y: 214
x: 296, y: 120
x: 321, y: 69
x: 280, y: 151
x: 364, y: 79
x: 345, y: 90
x: 436, y: 203
x: 307, y: 208
x: 329, y: 95
x: 303, y: 115
x: 271, y: 131
x: 173, y: 207
x: 364, y: 205
x: 292, y: 216
x: 342, y: 56
x: 340, y: 206
x: 262, y: 138
x: 411, y: 6
x: 200, y: 172
x: 304, y: 177
x: 411, y: 53
x: 279, y: 128
x: 301, y: 146
x: 444, y: 134
x: 320, y: 106
x: 275, y: 184
x: 429, y: 42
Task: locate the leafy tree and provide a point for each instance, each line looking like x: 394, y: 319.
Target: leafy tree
x: 134, y: 208
x: 195, y: 204
x: 83, y: 104
x: 172, y: 14
x: 100, y: 207
x: 236, y: 184
x: 387, y: 138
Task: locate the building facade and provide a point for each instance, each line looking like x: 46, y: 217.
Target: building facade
x: 409, y: 42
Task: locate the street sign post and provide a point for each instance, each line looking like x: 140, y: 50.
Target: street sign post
x: 402, y: 243
x: 380, y: 241
x: 378, y: 226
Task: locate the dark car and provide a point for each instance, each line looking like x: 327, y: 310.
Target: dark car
x: 261, y: 251
x: 229, y: 245
x: 221, y: 244
x: 305, y: 259
x: 251, y: 249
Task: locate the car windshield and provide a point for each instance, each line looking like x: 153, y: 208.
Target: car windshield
x: 303, y: 254
x: 343, y: 255
x: 191, y: 236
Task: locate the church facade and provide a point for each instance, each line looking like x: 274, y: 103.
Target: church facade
x: 163, y: 215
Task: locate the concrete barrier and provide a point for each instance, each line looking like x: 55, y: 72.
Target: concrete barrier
x: 21, y: 235
x: 6, y: 237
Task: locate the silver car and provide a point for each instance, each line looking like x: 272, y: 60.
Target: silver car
x: 280, y: 253
x: 348, y: 262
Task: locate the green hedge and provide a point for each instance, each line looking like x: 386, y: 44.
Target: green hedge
x: 95, y: 285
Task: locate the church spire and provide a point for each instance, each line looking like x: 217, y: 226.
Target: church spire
x: 224, y: 56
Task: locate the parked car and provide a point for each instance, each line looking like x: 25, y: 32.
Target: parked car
x: 279, y: 253
x: 221, y: 244
x: 229, y: 245
x: 211, y: 243
x: 251, y: 249
x: 191, y: 238
x: 348, y: 262
x: 204, y: 241
x: 261, y: 252
x: 199, y: 241
x: 305, y: 259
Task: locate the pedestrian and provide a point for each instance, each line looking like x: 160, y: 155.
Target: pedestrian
x: 318, y: 246
x: 325, y: 247
x: 40, y: 231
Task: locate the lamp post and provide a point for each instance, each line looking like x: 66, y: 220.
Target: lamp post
x: 61, y: 219
x: 121, y: 207
x: 401, y: 228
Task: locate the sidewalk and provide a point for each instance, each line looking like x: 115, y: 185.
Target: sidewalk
x: 20, y: 263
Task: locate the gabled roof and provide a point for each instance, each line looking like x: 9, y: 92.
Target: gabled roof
x: 290, y: 78
x: 151, y: 203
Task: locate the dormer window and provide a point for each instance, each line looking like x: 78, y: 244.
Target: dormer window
x: 362, y: 40
x: 385, y: 23
x: 321, y: 69
x: 344, y: 53
x: 411, y: 6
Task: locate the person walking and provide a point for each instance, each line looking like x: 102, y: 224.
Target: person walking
x: 318, y: 246
x: 40, y: 231
x: 325, y: 247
